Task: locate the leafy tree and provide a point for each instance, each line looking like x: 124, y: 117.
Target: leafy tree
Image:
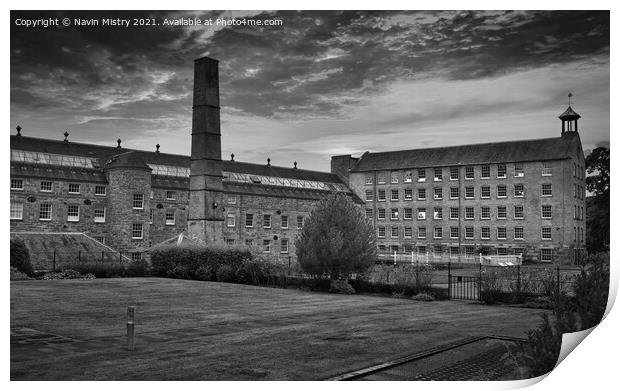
x: 20, y: 257
x: 597, y: 208
x: 337, y: 239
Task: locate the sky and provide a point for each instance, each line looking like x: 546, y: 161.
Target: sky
x: 322, y: 83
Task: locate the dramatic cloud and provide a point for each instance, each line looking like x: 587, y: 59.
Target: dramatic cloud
x: 322, y: 83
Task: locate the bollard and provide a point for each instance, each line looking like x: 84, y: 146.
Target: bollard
x: 130, y: 327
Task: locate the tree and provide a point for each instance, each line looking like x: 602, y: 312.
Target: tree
x: 337, y: 239
x: 597, y: 206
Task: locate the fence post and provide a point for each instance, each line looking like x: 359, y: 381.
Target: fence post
x: 289, y: 265
x: 558, y: 279
x: 449, y: 280
x: 120, y: 257
x: 412, y: 257
x: 102, y: 257
x: 394, y: 258
x: 518, y: 279
x: 130, y: 327
x: 54, y: 262
x: 388, y: 277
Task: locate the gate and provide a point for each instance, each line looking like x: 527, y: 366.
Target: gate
x: 464, y: 287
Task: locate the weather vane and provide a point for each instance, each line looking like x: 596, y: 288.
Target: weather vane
x: 570, y: 95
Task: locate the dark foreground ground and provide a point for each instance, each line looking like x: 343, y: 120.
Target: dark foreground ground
x: 193, y: 330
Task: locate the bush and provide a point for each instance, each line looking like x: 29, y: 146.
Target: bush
x: 341, y: 286
x: 180, y: 262
x: 423, y: 297
x: 139, y: 268
x: 98, y: 269
x: 16, y: 275
x: 179, y: 271
x: 68, y: 274
x: 225, y: 273
x: 20, y: 257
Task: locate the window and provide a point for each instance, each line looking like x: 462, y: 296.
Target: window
x: 394, y: 232
x: 17, y: 210
x: 469, y: 232
x: 437, y: 233
x: 501, y: 191
x: 382, y: 248
x: 454, y: 213
x: 170, y: 219
x: 151, y: 212
x: 17, y: 184
x: 45, y: 211
x: 437, y: 176
x: 99, y: 214
x: 136, y: 256
x: 300, y: 222
x: 230, y: 219
x: 519, y: 233
x: 381, y: 214
x: 469, y: 172
x: 136, y: 231
x: 408, y: 194
x: 408, y: 232
x: 519, y: 173
x: 454, y: 173
x: 152, y: 195
x: 454, y: 252
x: 369, y: 195
x: 421, y: 213
x: 469, y: 192
x: 266, y: 246
x: 46, y: 186
x: 518, y: 251
x: 100, y: 190
x: 100, y: 239
x: 501, y: 233
x: 485, y: 233
x: 519, y: 190
x: 369, y: 214
x: 421, y: 194
x: 547, y: 190
x: 485, y: 192
x: 546, y: 233
x: 394, y: 177
x: 249, y: 242
x: 422, y: 175
x: 501, y: 171
x: 454, y: 192
x: 266, y: 221
x: 502, y: 251
x: 438, y: 213
x: 485, y: 212
x: 546, y: 212
x: 381, y: 195
x: 421, y: 232
x: 574, y: 190
x: 138, y: 201
x: 438, y: 193
x: 394, y: 214
x: 421, y: 249
x: 284, y: 246
x: 230, y: 242
x: 394, y: 248
x: 408, y: 213
x: 74, y: 188
x: 518, y: 211
x: 501, y: 212
x: 454, y: 232
x: 469, y: 213
x: 485, y: 172
x: 381, y: 232
x: 381, y: 179
x: 284, y: 222
x: 546, y: 169
x: 231, y: 200
x: 369, y: 179
x: 408, y: 177
x: 546, y: 254
x: 469, y: 252
x: 171, y: 196
x: 394, y: 195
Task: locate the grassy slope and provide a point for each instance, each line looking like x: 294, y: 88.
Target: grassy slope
x: 196, y: 330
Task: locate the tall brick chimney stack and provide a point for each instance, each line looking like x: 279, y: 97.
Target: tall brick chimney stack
x: 206, y: 206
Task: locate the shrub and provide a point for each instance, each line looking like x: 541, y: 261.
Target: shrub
x: 179, y: 271
x: 16, y: 275
x: 341, y: 286
x: 423, y: 297
x: 205, y: 273
x: 139, y: 268
x: 225, y: 273
x: 337, y: 239
x: 98, y: 269
x: 68, y: 274
x: 592, y: 291
x: 20, y: 257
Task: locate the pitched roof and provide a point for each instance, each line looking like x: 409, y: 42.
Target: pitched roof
x: 501, y: 152
x: 128, y: 159
x: 569, y: 114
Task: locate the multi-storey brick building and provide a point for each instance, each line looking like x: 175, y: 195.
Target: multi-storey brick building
x: 506, y: 198
x: 521, y: 197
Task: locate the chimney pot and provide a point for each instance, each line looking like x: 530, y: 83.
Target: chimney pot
x: 19, y: 130
x: 232, y: 157
x: 268, y: 162
x: 119, y: 143
x: 66, y: 136
x: 157, y: 146
x: 295, y: 165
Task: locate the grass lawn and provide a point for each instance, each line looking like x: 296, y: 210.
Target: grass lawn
x: 193, y: 330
